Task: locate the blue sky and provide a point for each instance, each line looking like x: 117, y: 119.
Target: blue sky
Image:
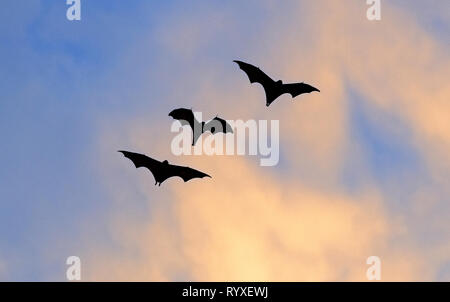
x: 61, y: 82
x: 47, y: 123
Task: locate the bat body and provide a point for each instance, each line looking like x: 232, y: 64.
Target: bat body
x: 273, y: 89
x: 217, y: 125
x: 186, y: 117
x: 162, y: 170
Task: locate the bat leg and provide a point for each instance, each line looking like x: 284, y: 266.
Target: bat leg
x: 159, y: 185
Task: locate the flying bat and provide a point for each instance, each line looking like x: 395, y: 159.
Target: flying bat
x: 273, y: 89
x: 162, y: 170
x: 186, y: 117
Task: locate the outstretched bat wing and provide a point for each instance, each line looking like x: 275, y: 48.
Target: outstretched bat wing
x: 185, y: 173
x: 185, y: 116
x: 296, y: 89
x: 255, y: 75
x: 141, y: 160
x: 162, y: 170
x: 218, y: 125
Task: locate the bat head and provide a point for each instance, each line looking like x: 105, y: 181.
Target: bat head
x: 165, y: 162
x: 179, y: 113
x: 173, y: 113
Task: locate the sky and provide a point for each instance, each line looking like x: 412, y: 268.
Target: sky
x: 364, y: 166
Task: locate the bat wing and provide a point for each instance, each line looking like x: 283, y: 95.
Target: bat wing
x: 162, y: 170
x: 296, y: 89
x: 255, y: 75
x: 141, y: 160
x: 185, y: 173
x: 218, y: 125
x: 185, y: 116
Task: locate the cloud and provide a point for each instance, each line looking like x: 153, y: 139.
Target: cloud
x: 3, y: 270
x: 300, y: 223
x: 259, y: 229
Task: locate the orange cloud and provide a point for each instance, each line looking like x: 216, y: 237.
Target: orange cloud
x: 260, y: 229
x: 254, y: 223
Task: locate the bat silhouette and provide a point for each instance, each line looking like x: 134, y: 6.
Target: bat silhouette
x: 186, y: 117
x: 273, y: 89
x: 162, y: 170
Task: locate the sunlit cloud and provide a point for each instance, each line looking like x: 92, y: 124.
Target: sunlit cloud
x: 298, y: 221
